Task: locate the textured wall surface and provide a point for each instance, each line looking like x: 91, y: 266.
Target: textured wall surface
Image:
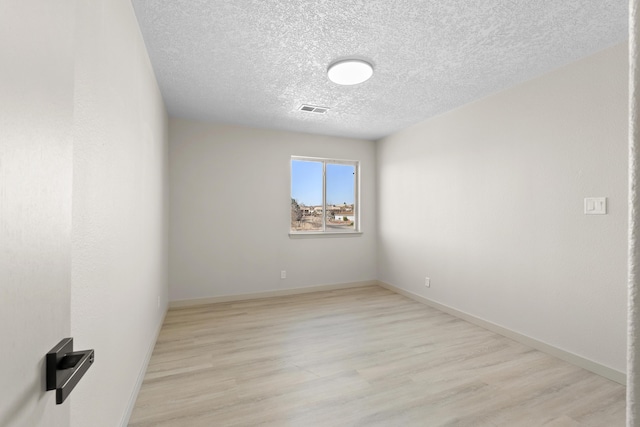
x: 36, y: 116
x: 255, y: 62
x: 496, y: 191
x: 230, y: 202
x: 633, y: 340
x: 119, y: 238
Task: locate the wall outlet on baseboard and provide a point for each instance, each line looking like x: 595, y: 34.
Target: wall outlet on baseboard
x: 427, y: 282
x: 283, y: 274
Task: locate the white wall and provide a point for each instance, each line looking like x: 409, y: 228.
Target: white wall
x: 119, y: 233
x: 493, y: 208
x: 36, y: 112
x: 230, y: 212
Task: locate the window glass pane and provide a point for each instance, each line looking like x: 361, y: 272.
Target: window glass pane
x: 306, y: 195
x: 341, y: 196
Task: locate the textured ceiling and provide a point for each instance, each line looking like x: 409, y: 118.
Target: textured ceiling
x: 255, y: 62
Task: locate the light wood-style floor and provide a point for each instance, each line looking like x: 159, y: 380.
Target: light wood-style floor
x: 358, y: 357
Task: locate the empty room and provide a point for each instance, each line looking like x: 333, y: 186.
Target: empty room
x: 319, y: 213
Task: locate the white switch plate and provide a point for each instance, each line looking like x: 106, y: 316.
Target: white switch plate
x: 427, y: 282
x: 283, y: 274
x: 595, y: 206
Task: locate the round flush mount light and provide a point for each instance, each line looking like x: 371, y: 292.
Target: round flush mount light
x: 350, y: 72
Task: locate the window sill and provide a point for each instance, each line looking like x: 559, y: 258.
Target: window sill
x: 321, y: 234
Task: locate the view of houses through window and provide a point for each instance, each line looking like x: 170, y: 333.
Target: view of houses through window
x: 323, y: 195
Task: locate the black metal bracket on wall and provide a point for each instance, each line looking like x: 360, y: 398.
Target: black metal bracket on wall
x: 65, y: 367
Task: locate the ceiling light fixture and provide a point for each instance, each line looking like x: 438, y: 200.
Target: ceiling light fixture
x: 350, y: 72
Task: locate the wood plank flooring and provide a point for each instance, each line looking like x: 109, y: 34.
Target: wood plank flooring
x: 358, y: 357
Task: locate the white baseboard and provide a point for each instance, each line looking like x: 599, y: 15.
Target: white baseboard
x: 141, y: 374
x: 589, y: 365
x: 269, y: 294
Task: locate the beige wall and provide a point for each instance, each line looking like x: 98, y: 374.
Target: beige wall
x: 492, y: 201
x: 230, y: 212
x: 119, y: 238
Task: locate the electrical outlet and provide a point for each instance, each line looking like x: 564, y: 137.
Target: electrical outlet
x: 427, y: 282
x: 595, y: 206
x: 283, y: 274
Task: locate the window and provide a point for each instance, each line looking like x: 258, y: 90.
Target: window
x: 324, y: 195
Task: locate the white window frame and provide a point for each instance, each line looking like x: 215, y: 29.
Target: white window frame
x: 356, y: 203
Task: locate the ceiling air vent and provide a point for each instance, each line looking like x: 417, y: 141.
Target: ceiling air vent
x: 313, y: 109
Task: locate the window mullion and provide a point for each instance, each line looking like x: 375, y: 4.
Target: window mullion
x: 324, y: 196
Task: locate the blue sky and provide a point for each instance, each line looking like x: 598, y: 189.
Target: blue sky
x: 306, y: 183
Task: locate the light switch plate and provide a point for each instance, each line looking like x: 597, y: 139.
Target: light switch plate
x: 595, y: 206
